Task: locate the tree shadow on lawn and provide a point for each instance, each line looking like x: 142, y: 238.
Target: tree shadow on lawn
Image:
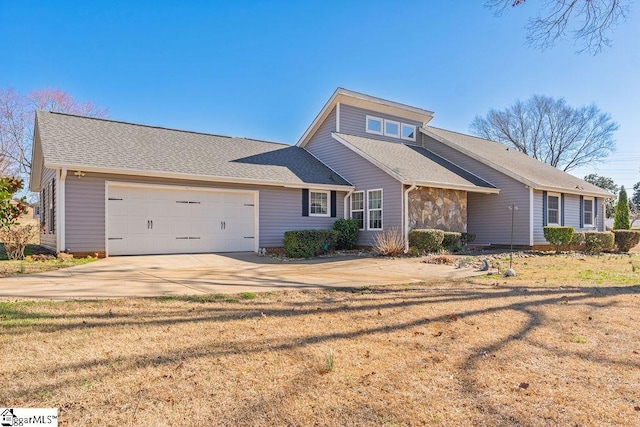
x: 528, y: 302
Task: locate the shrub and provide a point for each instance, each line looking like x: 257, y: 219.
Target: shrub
x: 558, y: 236
x: 388, y: 242
x: 466, y: 238
x: 10, y: 209
x: 308, y: 243
x: 452, y: 241
x: 577, y: 239
x: 15, y: 239
x: 426, y: 240
x: 626, y: 239
x: 621, y: 221
x: 348, y: 233
x: 598, y: 241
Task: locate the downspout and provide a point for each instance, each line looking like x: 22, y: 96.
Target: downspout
x: 344, y: 211
x: 406, y: 216
x: 60, y: 205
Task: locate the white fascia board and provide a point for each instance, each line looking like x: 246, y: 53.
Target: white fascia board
x: 192, y: 177
x: 575, y: 191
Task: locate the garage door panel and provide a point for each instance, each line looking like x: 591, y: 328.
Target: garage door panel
x: 146, y: 220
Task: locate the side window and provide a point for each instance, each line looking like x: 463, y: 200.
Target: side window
x: 374, y: 209
x: 318, y: 203
x: 374, y: 125
x: 553, y: 209
x: 587, y: 211
x: 357, y: 208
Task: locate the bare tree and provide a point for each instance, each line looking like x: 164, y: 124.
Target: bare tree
x: 17, y: 113
x: 590, y: 21
x: 551, y: 131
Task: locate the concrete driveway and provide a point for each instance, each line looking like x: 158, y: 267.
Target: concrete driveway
x: 157, y: 275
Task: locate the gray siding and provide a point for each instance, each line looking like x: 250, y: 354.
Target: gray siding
x: 47, y: 239
x: 488, y: 215
x: 571, y: 216
x: 358, y: 171
x: 353, y: 122
x: 280, y: 209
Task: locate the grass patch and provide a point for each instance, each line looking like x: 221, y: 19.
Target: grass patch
x: 570, y: 270
x: 247, y: 295
x: 478, y: 354
x: 27, y: 266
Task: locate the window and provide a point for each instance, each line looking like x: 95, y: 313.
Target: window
x: 319, y: 203
x: 374, y: 125
x: 374, y: 209
x: 357, y: 208
x: 587, y: 211
x: 52, y: 201
x: 553, y: 209
x: 391, y: 128
x: 408, y: 132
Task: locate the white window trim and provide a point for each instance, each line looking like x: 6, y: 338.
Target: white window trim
x: 393, y: 135
x: 559, y: 208
x: 364, y: 201
x: 328, y: 193
x: 593, y: 206
x: 381, y: 209
x: 373, y: 131
x: 415, y: 130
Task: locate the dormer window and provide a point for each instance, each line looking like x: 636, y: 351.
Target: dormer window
x: 392, y: 128
x: 374, y: 125
x: 408, y: 132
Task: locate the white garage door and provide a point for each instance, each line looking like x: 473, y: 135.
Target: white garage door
x: 165, y: 220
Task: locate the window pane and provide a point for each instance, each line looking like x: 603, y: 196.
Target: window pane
x: 391, y: 128
x: 374, y: 125
x: 408, y: 132
x: 375, y: 219
x: 375, y: 199
x: 588, y: 212
x: 553, y: 217
x: 318, y: 203
x: 357, y: 201
x: 553, y: 202
x: 359, y: 216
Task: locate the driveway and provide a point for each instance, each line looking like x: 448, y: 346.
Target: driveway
x: 145, y: 276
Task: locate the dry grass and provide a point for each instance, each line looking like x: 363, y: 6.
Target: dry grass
x: 10, y: 268
x: 450, y: 354
x: 569, y: 270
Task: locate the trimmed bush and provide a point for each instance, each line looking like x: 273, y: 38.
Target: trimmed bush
x: 348, y: 233
x: 428, y: 240
x: 452, y: 241
x: 598, y: 241
x: 577, y: 239
x: 309, y: 243
x: 558, y: 236
x: 466, y: 238
x: 626, y: 239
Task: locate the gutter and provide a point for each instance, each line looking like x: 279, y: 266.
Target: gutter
x: 344, y: 212
x: 406, y: 216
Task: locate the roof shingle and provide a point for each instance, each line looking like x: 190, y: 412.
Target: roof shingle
x: 69, y: 140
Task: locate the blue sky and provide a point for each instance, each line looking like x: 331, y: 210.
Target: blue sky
x: 264, y: 69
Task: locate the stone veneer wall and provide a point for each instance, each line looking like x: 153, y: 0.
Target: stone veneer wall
x: 438, y: 208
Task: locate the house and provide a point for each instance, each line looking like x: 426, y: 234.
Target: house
x: 119, y: 188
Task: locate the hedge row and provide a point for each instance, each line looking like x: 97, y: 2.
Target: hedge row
x: 432, y: 240
x: 594, y: 241
x: 309, y: 243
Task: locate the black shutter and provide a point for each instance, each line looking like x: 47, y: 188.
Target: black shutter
x: 305, y: 202
x: 43, y: 210
x: 53, y: 205
x: 595, y: 212
x: 581, y: 211
x: 544, y: 208
x: 334, y: 212
x: 562, y: 209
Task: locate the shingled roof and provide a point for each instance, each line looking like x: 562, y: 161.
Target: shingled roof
x: 515, y: 164
x: 415, y: 165
x: 91, y: 144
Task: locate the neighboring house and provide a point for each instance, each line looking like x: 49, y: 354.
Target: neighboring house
x: 118, y: 188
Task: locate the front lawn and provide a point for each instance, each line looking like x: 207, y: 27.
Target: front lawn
x: 437, y: 354
x: 29, y: 265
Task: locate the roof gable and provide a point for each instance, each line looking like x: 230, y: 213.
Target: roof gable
x: 367, y: 102
x: 90, y: 144
x: 515, y: 164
